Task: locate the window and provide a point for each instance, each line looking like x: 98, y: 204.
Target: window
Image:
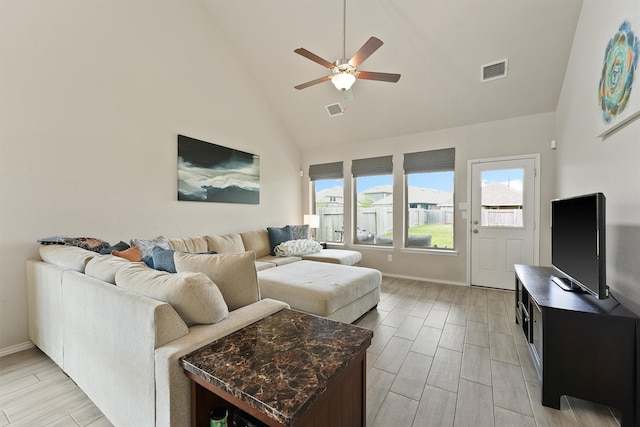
x: 327, y: 187
x: 429, y: 179
x: 502, y: 198
x: 373, y: 184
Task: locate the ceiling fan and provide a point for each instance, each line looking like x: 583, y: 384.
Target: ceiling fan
x: 344, y: 72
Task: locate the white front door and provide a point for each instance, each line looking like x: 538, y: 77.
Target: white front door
x: 503, y: 218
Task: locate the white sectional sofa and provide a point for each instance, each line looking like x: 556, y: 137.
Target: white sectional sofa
x: 119, y: 328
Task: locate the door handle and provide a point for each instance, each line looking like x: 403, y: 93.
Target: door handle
x: 475, y: 222
x: 475, y: 230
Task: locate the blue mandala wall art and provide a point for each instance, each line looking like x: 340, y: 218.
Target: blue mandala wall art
x: 618, y: 72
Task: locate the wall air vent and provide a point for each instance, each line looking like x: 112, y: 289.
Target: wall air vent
x: 495, y: 70
x: 334, y: 110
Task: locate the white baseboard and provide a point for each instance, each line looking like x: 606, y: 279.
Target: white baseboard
x: 426, y: 279
x: 15, y: 348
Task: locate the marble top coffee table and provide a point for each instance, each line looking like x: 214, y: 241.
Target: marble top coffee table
x: 288, y: 369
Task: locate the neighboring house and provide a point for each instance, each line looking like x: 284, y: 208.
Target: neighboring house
x: 330, y: 197
x: 498, y: 195
x: 427, y: 198
x: 374, y: 194
x: 419, y: 197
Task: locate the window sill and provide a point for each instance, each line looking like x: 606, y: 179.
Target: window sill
x: 372, y: 247
x: 446, y: 252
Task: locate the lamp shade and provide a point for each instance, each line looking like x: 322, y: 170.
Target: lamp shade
x: 312, y: 220
x: 343, y: 80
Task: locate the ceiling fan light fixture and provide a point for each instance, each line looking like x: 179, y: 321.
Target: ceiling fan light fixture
x: 343, y: 80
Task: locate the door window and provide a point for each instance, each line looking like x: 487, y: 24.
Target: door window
x: 502, y: 198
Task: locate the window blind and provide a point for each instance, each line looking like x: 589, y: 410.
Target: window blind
x: 430, y: 161
x: 372, y: 166
x: 325, y: 171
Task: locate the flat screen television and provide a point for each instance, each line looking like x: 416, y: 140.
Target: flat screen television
x: 578, y: 243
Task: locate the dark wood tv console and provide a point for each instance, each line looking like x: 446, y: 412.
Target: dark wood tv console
x: 581, y: 346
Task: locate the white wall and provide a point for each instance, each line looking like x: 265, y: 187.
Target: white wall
x: 588, y: 164
x: 523, y: 135
x: 92, y: 96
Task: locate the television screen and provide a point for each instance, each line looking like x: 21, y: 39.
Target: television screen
x: 578, y: 241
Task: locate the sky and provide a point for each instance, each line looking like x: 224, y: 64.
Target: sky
x: 442, y: 181
x: 438, y: 181
x: 512, y: 177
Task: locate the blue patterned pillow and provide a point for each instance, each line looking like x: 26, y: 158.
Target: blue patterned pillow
x: 146, y: 246
x: 278, y: 235
x: 300, y: 231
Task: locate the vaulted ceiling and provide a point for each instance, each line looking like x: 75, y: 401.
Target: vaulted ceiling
x: 439, y: 47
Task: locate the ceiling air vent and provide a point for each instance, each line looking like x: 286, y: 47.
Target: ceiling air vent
x: 334, y: 110
x: 495, y: 70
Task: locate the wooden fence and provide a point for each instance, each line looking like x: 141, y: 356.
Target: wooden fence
x: 376, y: 220
x: 501, y: 218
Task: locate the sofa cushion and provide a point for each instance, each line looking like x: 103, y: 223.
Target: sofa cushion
x: 300, y: 231
x: 257, y: 241
x: 261, y: 265
x: 189, y: 244
x: 335, y: 256
x: 278, y: 235
x: 71, y: 257
x: 235, y: 274
x: 297, y: 247
x: 279, y: 260
x: 105, y: 267
x: 192, y: 295
x: 228, y: 244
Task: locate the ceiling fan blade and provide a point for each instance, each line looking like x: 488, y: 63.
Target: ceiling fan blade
x: 315, y: 58
x: 313, y: 82
x: 383, y: 77
x: 365, y: 51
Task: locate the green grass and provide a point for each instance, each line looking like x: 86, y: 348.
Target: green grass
x: 441, y: 234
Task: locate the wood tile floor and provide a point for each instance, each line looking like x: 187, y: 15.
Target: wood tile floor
x: 442, y: 355
x: 445, y: 355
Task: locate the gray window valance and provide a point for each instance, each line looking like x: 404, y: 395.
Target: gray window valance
x: 372, y: 166
x: 430, y: 161
x: 326, y: 171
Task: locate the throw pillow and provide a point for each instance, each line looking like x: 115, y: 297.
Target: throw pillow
x: 120, y: 246
x: 192, y: 295
x: 235, y: 274
x: 89, y: 243
x: 163, y: 259
x: 278, y: 235
x: 146, y: 246
x: 298, y: 247
x: 300, y: 231
x: 132, y: 254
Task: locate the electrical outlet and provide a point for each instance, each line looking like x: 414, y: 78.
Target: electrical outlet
x: 389, y: 257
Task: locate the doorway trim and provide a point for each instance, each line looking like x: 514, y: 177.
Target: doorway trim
x: 536, y: 205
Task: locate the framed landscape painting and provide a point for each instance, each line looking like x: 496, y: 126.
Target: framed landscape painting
x: 212, y: 173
